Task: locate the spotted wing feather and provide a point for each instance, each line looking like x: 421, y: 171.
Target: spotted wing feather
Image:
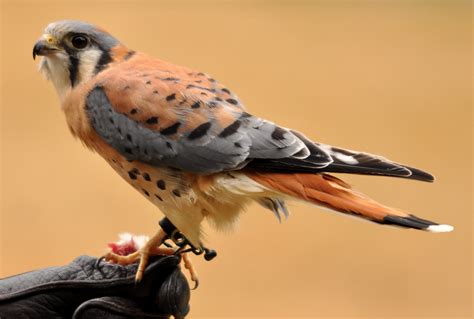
x: 185, y: 120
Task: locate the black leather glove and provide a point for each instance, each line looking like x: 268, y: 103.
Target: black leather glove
x: 84, y: 289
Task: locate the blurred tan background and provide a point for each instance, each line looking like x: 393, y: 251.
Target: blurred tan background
x: 388, y: 77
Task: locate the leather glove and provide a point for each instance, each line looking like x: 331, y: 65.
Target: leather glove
x: 86, y: 289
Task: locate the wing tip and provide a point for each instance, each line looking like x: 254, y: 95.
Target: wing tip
x: 420, y: 175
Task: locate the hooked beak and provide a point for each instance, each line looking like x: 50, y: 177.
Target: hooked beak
x: 42, y: 47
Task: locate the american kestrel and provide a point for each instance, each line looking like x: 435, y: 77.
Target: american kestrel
x: 187, y: 144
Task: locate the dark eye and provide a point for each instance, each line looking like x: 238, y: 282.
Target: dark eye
x: 79, y: 41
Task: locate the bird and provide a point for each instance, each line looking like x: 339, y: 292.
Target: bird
x: 187, y: 143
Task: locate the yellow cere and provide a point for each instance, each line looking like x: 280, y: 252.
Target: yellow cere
x: 49, y: 38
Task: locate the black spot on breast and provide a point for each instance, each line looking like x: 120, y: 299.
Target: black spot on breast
x: 218, y: 99
x: 231, y: 129
x: 200, y: 74
x: 133, y: 111
x: 176, y: 193
x: 212, y: 80
x: 155, y: 91
x: 148, y: 82
x: 238, y: 145
x: 200, y: 131
x: 196, y: 105
x: 278, y: 133
x: 132, y: 175
x: 226, y: 90
x: 126, y: 87
x: 245, y: 115
x: 198, y: 81
x: 232, y: 101
x: 152, y: 120
x: 146, y: 177
x: 161, y: 184
x: 171, y: 97
x: 172, y: 129
x: 212, y: 104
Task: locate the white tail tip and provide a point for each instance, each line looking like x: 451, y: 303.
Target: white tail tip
x: 440, y: 228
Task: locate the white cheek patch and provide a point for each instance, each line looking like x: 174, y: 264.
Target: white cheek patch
x: 87, y: 64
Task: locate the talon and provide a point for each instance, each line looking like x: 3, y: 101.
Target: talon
x: 98, y: 261
x: 196, y: 284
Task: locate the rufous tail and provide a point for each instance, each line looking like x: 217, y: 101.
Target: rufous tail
x: 328, y: 191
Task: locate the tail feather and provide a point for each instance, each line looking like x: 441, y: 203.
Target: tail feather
x: 330, y: 192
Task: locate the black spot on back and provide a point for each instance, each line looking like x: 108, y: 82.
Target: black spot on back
x: 152, y: 120
x: 146, y: 177
x: 192, y: 86
x: 172, y: 129
x: 196, y: 105
x: 171, y: 97
x: 176, y: 193
x: 170, y: 79
x: 129, y: 55
x: 232, y: 101
x: 231, y: 129
x: 133, y: 111
x: 200, y: 131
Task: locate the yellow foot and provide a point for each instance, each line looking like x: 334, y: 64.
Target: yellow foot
x: 192, y: 271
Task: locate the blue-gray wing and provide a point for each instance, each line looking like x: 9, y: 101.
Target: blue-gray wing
x: 171, y: 131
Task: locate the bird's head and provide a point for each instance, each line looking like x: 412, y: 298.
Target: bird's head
x: 73, y: 52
